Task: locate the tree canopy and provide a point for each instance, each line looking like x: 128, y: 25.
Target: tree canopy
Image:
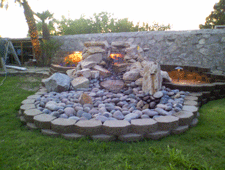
x: 103, y: 22
x: 217, y: 17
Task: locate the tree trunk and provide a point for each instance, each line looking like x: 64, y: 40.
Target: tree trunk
x: 32, y: 30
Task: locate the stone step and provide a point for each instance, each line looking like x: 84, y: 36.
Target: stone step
x: 43, y: 121
x: 49, y: 132
x: 157, y: 135
x: 29, y: 114
x: 130, y: 137
x: 103, y: 137
x: 73, y: 136
x: 180, y: 129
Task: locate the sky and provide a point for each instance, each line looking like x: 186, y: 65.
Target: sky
x: 180, y: 14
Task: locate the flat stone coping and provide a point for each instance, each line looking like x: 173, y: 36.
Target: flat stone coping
x: 185, y: 117
x: 166, y: 123
x: 110, y: 130
x: 29, y: 114
x: 116, y: 127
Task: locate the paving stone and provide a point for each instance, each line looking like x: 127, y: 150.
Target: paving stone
x: 103, y: 137
x: 22, y: 119
x: 116, y: 127
x: 196, y: 94
x: 31, y: 126
x: 89, y: 127
x: 33, y: 96
x: 166, y: 123
x: 49, y: 132
x: 29, y: 114
x: 131, y: 137
x: 62, y: 125
x: 194, y: 98
x: 180, y: 129
x: 26, y: 107
x: 28, y: 101
x: 194, y: 122
x: 43, y: 121
x: 143, y: 126
x: 73, y: 136
x: 40, y: 93
x: 192, y: 109
x: 185, y: 117
x: 157, y: 135
x: 191, y: 103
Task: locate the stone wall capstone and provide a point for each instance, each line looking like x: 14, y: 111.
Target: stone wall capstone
x: 202, y: 48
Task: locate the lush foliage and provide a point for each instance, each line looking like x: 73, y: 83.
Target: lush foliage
x: 49, y: 48
x: 101, y: 23
x: 200, y: 148
x: 217, y: 17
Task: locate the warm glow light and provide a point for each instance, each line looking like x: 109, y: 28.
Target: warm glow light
x: 117, y: 57
x: 73, y: 58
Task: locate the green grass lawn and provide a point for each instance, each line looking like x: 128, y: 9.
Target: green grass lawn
x: 201, y: 147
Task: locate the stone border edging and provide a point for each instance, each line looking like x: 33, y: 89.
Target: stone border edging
x: 111, y: 130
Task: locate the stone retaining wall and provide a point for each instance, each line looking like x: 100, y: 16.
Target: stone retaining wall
x: 110, y: 130
x: 205, y: 48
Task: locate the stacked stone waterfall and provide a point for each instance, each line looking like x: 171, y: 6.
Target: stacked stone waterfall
x: 135, y: 68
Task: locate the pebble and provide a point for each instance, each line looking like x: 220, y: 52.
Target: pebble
x: 158, y: 94
x: 118, y: 115
x: 127, y: 104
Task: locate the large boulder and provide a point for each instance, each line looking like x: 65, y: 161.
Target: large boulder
x: 152, y: 80
x: 58, y: 82
x: 91, y: 60
x: 131, y: 75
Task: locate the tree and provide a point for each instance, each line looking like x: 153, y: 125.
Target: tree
x: 123, y: 25
x: 44, y: 16
x: 103, y: 23
x: 217, y: 17
x: 31, y: 24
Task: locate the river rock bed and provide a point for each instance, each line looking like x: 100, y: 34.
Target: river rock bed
x: 101, y: 104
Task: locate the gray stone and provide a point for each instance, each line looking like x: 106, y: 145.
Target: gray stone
x: 84, y: 72
x: 69, y: 111
x: 58, y: 82
x: 87, y: 115
x: 118, y: 115
x: 80, y: 82
x: 152, y: 81
x: 161, y: 111
x: 158, y: 94
x: 51, y: 105
x: 131, y: 75
x: 149, y: 112
x: 131, y: 116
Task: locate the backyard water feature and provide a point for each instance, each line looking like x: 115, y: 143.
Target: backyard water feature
x: 113, y: 97
x: 105, y: 103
